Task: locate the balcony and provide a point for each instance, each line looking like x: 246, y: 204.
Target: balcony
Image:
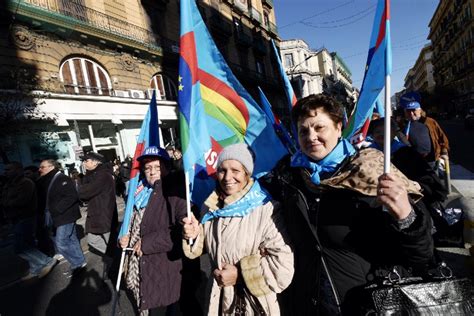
x: 272, y: 28
x: 78, y: 17
x: 255, y: 15
x: 268, y: 3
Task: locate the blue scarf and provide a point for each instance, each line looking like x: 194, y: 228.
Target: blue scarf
x: 143, y: 195
x: 256, y: 196
x: 394, y: 146
x: 328, y: 164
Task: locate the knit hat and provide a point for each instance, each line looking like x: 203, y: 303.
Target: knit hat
x: 239, y: 152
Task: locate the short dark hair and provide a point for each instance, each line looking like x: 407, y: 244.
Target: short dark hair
x: 312, y: 102
x: 53, y: 163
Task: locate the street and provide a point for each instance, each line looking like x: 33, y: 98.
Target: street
x: 56, y: 294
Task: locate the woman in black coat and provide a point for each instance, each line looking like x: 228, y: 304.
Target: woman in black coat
x: 332, y: 200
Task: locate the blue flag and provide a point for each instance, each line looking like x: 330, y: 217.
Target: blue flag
x: 280, y: 129
x: 215, y: 109
x: 379, y: 65
x: 149, y: 136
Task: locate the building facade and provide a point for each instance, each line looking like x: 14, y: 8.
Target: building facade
x: 452, y: 38
x: 316, y: 71
x: 89, y: 67
x: 420, y: 77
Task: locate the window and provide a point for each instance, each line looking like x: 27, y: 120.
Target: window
x: 165, y: 87
x: 266, y: 19
x: 84, y: 76
x: 289, y: 60
x: 260, y: 66
x: 238, y: 26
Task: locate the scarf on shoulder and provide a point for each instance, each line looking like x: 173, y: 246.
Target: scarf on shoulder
x: 328, y: 164
x: 361, y: 175
x: 256, y: 196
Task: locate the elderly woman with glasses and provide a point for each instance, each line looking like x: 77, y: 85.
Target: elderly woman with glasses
x: 155, y: 267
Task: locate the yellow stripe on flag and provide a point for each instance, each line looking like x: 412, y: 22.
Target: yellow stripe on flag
x: 224, y: 104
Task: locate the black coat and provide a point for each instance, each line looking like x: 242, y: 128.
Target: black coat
x: 161, y: 235
x: 98, y: 190
x: 356, y: 240
x: 63, y: 198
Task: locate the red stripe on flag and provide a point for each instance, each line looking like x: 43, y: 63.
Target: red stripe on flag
x: 223, y: 89
x: 187, y: 50
x: 383, y: 23
x: 135, y: 164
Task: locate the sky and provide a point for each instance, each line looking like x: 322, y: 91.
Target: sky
x: 345, y: 26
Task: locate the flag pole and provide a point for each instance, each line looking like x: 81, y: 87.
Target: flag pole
x: 188, y: 200
x: 387, y: 128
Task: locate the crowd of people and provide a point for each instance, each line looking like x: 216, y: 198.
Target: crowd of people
x: 304, y: 239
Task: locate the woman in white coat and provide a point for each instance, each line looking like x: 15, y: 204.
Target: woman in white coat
x: 242, y: 230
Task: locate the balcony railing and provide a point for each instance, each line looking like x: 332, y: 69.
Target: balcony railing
x: 268, y: 2
x: 271, y: 27
x: 81, y: 13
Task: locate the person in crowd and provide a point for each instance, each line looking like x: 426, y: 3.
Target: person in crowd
x: 98, y: 191
x: 31, y: 172
x: 19, y: 203
x: 438, y: 139
x: 61, y: 207
x: 155, y: 266
x: 176, y: 156
x: 124, y: 175
x: 242, y: 230
x: 346, y: 219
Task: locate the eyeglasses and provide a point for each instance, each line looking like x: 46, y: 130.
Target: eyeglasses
x: 150, y: 168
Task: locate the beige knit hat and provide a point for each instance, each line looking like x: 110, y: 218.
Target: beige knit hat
x: 239, y: 152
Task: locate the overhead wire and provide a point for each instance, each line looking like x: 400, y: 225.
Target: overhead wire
x: 364, y: 13
x: 317, y: 14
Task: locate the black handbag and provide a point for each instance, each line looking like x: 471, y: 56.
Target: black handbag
x: 437, y: 295
x: 242, y: 295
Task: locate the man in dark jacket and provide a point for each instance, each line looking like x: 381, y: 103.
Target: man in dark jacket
x: 61, y: 204
x: 98, y: 190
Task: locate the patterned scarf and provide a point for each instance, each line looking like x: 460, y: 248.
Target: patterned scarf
x: 133, y: 277
x: 328, y: 164
x: 256, y: 196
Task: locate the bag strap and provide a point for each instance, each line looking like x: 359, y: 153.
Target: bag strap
x: 254, y: 302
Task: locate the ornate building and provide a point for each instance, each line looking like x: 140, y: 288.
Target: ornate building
x: 452, y: 37
x: 86, y: 69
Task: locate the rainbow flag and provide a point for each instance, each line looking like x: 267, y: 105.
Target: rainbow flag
x: 149, y: 136
x: 378, y: 66
x: 215, y: 109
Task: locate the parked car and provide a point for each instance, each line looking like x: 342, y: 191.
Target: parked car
x: 469, y: 119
